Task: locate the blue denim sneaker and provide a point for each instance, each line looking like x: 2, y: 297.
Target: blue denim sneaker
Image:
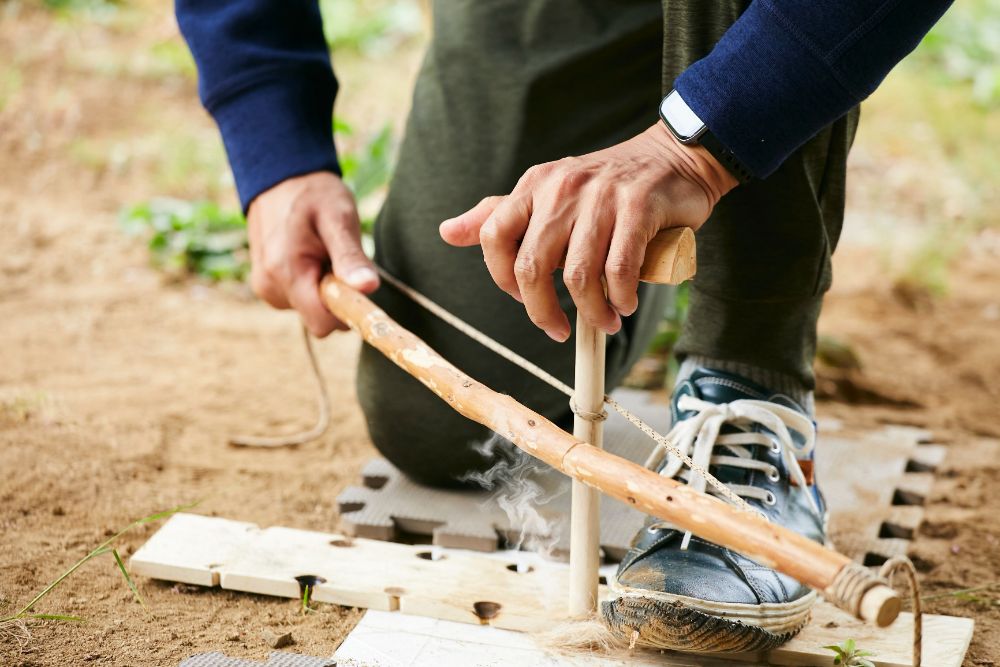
x: 676, y: 591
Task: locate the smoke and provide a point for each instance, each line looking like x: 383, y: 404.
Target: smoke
x: 514, y: 478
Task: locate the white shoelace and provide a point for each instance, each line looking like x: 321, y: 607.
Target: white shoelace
x: 698, y: 436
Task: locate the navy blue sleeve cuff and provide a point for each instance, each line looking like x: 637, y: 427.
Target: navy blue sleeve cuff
x: 276, y: 127
x: 749, y: 96
x: 786, y: 69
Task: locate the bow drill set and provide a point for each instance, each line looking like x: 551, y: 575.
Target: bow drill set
x: 670, y: 259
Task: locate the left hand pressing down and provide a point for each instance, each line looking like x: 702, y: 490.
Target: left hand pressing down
x: 594, y: 215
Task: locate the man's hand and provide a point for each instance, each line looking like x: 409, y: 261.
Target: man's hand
x: 296, y: 229
x: 596, y: 213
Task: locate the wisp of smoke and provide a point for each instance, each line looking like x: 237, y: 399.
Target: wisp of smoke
x: 513, y: 480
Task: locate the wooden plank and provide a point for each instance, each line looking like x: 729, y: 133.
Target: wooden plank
x: 398, y: 640
x: 466, y: 587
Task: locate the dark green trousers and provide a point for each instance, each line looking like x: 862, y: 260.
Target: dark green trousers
x: 508, y: 84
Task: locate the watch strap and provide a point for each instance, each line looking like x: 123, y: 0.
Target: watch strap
x: 725, y: 157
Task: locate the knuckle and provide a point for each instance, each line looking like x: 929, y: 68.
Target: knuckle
x: 489, y: 234
x: 634, y: 208
x: 621, y: 270
x: 591, y: 319
x: 577, y: 278
x: 528, y: 269
x: 259, y: 283
x: 574, y: 178
x: 271, y: 267
x: 301, y: 205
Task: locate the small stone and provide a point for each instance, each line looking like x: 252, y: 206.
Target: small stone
x: 186, y: 588
x: 276, y: 639
x: 234, y: 637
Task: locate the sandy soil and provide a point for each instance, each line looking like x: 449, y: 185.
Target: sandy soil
x: 118, y: 389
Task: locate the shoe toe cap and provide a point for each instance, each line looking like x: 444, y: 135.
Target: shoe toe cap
x: 709, y: 573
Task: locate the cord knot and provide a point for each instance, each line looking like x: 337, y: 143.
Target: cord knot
x: 587, y: 416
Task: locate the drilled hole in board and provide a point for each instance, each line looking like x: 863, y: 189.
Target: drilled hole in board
x: 430, y: 555
x: 903, y: 497
x: 874, y: 560
x: 486, y: 610
x: 348, y: 507
x: 888, y: 529
x: 375, y: 481
x: 307, y: 582
x: 520, y: 568
x: 919, y: 466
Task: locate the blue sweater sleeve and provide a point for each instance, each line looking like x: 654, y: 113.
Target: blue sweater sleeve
x: 265, y: 76
x: 788, y: 68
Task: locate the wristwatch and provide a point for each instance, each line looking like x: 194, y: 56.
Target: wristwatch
x: 688, y: 129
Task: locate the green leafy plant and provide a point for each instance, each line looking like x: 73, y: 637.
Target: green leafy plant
x: 367, y: 172
x: 191, y: 237
x: 965, y: 47
x: 27, y: 612
x: 369, y: 27
x: 203, y: 239
x: 846, y: 653
x: 92, y: 9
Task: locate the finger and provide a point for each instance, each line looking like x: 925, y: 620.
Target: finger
x: 463, y: 230
x: 500, y: 236
x: 340, y: 230
x: 267, y: 289
x: 625, y: 256
x: 543, y: 246
x: 303, y: 294
x: 585, y: 259
x: 266, y: 267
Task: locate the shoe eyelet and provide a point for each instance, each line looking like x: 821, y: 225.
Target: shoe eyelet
x: 770, y: 499
x: 774, y: 475
x: 775, y: 448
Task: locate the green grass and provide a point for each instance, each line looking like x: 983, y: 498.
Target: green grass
x: 27, y: 611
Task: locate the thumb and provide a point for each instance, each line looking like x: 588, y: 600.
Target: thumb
x: 341, y: 234
x: 463, y: 230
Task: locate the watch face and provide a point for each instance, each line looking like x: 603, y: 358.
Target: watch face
x: 680, y: 118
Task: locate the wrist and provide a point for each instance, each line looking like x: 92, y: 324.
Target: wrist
x: 699, y: 164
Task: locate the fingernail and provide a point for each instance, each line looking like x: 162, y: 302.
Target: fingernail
x: 616, y: 325
x: 361, y: 276
x: 558, y: 335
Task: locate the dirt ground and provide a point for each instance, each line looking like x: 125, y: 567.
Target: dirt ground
x: 118, y: 388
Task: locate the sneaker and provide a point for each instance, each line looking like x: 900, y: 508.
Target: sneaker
x: 676, y: 591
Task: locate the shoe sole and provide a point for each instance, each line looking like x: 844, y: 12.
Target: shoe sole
x: 659, y: 620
